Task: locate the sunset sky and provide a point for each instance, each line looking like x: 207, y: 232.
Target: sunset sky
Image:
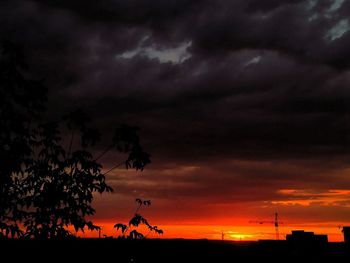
x: 244, y: 105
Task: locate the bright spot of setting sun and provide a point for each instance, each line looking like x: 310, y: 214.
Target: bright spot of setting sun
x: 240, y: 237
x: 236, y: 236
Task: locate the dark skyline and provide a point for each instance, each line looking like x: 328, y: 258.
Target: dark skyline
x: 244, y: 105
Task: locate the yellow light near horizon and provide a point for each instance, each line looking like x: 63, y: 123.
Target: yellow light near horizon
x: 240, y: 237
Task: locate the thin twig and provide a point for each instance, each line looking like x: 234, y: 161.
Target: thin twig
x: 114, y: 167
x: 70, y: 144
x: 104, y: 152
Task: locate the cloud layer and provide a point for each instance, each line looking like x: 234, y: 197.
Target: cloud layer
x: 236, y: 99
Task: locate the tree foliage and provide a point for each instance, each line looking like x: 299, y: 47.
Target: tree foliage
x: 130, y: 231
x: 48, y: 176
x: 59, y: 185
x: 21, y: 102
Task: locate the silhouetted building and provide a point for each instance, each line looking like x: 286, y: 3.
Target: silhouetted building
x: 306, y: 238
x: 346, y: 233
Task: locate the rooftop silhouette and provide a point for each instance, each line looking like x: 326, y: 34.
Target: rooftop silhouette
x: 300, y: 237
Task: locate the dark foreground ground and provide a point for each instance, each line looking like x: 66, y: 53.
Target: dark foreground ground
x: 111, y: 250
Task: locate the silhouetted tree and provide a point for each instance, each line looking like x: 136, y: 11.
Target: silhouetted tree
x: 45, y: 186
x: 129, y: 231
x: 59, y: 183
x: 21, y: 102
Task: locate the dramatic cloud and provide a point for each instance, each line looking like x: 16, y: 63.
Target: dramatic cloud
x: 238, y: 101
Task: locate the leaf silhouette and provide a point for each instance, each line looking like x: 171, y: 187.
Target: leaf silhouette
x: 136, y: 221
x: 121, y: 226
x: 147, y: 202
x: 139, y: 201
x: 135, y: 235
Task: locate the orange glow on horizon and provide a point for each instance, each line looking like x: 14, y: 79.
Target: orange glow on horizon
x: 231, y: 232
x: 321, y: 211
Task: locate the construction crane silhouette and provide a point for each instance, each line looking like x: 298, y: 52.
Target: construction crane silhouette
x: 275, y: 222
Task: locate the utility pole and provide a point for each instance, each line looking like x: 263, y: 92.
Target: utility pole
x: 276, y: 227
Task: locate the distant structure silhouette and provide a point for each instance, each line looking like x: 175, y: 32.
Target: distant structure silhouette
x: 346, y: 233
x: 300, y: 237
x: 275, y: 222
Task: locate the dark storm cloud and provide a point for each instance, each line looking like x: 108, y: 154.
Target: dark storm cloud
x: 293, y: 28
x: 266, y: 80
x: 233, y: 182
x: 263, y: 77
x: 269, y: 5
x: 132, y: 11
